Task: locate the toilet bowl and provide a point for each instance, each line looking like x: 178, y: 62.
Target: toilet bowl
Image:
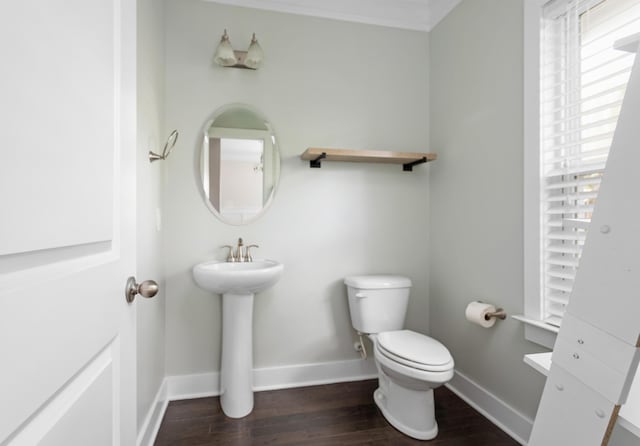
x: 410, y: 365
x: 406, y: 383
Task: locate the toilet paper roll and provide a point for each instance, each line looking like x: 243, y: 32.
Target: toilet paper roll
x: 476, y: 312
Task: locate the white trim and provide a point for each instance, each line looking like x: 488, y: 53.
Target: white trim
x: 540, y: 324
x: 404, y: 14
x: 531, y: 169
x: 539, y: 332
x: 149, y: 430
x: 512, y: 422
x: 186, y: 387
x: 272, y: 378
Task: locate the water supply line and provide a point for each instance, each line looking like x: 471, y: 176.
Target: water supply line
x: 360, y: 346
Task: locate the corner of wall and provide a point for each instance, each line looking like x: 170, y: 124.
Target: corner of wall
x: 476, y: 230
x: 150, y: 313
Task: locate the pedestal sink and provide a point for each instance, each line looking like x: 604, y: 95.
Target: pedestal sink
x: 237, y: 282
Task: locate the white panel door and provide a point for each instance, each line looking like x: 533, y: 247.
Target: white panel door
x: 67, y: 217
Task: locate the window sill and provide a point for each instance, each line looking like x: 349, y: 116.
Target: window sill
x: 538, y: 332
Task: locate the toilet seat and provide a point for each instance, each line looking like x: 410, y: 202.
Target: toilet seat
x: 414, y: 350
x: 430, y: 378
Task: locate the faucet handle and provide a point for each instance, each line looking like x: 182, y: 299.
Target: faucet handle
x: 230, y: 257
x: 247, y: 254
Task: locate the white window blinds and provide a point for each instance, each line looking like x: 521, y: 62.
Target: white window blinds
x: 583, y: 81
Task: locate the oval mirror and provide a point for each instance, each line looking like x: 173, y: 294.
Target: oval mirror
x: 239, y: 164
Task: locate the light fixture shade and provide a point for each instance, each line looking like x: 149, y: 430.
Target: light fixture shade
x: 224, y: 53
x: 254, y: 54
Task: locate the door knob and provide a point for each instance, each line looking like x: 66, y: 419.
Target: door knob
x: 148, y: 288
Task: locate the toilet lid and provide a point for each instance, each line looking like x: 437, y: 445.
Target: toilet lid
x: 415, y: 349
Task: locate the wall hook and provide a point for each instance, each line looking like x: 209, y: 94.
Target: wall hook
x: 168, y: 147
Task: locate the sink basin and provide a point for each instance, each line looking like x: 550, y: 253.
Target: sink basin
x: 237, y: 277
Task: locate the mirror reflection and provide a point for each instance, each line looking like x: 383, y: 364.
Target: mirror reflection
x: 239, y: 164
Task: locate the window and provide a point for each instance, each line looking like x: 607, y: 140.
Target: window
x: 570, y: 119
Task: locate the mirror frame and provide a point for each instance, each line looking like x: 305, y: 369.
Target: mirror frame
x: 204, y: 134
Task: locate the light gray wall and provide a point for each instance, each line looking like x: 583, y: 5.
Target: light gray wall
x: 476, y: 194
x: 323, y: 83
x: 150, y: 313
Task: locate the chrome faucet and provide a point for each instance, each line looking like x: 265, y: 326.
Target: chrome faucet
x: 241, y: 255
x: 247, y: 254
x: 230, y: 256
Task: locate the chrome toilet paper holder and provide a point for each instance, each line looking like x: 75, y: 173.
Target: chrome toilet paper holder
x: 498, y: 314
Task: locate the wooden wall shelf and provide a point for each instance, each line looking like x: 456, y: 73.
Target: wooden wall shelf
x: 315, y: 156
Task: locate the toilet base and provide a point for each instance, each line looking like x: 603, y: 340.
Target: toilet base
x: 409, y: 411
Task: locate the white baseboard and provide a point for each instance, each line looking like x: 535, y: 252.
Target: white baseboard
x: 270, y: 378
x: 186, y: 387
x: 517, y: 425
x: 273, y: 378
x: 149, y: 429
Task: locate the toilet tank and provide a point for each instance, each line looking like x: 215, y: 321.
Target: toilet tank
x: 377, y: 303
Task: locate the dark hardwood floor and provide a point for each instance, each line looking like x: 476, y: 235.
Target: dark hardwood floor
x: 336, y: 414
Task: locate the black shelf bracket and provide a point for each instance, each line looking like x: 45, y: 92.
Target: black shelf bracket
x: 317, y: 162
x: 408, y: 167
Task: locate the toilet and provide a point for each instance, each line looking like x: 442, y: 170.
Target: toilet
x: 410, y: 365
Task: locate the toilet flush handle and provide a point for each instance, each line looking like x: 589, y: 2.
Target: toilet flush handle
x: 361, y: 295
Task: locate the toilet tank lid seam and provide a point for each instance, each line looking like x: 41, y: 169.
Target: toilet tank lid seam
x: 373, y: 282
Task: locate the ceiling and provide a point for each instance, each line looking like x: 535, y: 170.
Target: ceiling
x: 421, y: 15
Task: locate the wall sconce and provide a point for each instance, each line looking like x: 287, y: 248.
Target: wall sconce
x: 228, y: 57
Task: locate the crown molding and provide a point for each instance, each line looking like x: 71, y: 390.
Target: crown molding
x: 418, y: 15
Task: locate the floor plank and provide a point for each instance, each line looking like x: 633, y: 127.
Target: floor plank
x: 326, y: 415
